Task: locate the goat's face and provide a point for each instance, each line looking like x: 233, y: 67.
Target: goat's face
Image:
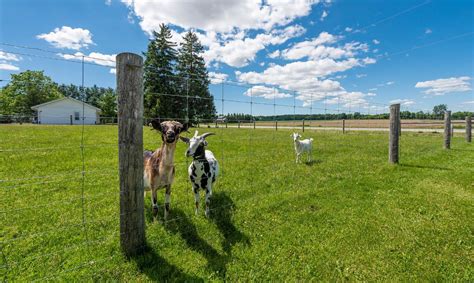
x: 196, y: 144
x: 295, y: 136
x: 169, y: 130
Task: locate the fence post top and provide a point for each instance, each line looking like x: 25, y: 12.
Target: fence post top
x: 128, y: 56
x: 395, y: 105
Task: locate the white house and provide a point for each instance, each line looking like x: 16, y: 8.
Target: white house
x: 65, y: 111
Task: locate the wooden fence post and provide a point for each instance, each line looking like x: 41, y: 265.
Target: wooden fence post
x: 254, y: 124
x: 468, y: 129
x: 276, y: 125
x: 70, y: 119
x: 343, y: 126
x: 216, y: 124
x: 239, y: 124
x: 303, y: 125
x: 394, y: 136
x: 447, y: 129
x: 226, y: 124
x: 130, y: 130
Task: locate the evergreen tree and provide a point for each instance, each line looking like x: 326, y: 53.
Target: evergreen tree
x: 194, y: 79
x: 159, y: 76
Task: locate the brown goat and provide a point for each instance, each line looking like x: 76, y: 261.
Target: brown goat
x: 159, y: 165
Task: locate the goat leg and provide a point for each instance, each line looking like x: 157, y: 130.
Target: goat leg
x: 167, y: 201
x: 196, y: 198
x: 154, y: 202
x: 208, y: 200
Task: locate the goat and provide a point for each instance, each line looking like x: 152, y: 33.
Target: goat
x: 302, y: 146
x: 159, y: 167
x: 204, y: 168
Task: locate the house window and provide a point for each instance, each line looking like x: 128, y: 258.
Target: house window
x: 76, y: 116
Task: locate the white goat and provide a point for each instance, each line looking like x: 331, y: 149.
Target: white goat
x: 302, y: 146
x: 203, y: 170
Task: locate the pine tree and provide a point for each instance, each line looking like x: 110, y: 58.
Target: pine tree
x: 194, y: 79
x: 159, y: 80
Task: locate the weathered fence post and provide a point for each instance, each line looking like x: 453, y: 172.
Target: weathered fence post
x: 226, y: 124
x: 343, y: 126
x: 70, y: 119
x: 303, y: 125
x: 216, y: 124
x: 276, y: 125
x: 468, y: 129
x: 239, y: 124
x: 447, y: 129
x: 394, y: 136
x: 254, y: 124
x: 452, y: 130
x: 130, y: 130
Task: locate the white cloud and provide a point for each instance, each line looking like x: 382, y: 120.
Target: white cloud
x: 375, y: 41
x: 274, y: 54
x: 373, y: 89
x: 386, y: 84
x: 93, y: 57
x: 266, y: 92
x: 348, y: 29
x: 403, y: 102
x: 361, y: 76
x: 8, y: 67
x: 217, y: 78
x: 443, y: 86
x: 390, y: 83
x: 218, y: 16
x: 428, y: 31
x: 67, y: 37
x: 323, y: 15
x: 108, y: 2
x: 9, y: 56
x: 468, y: 102
x: 240, y: 52
x: 113, y: 71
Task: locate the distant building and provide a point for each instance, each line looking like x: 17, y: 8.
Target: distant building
x: 66, y: 111
x: 221, y: 119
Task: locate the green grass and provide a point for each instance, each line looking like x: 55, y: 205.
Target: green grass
x: 347, y: 216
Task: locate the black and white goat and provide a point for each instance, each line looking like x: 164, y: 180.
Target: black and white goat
x: 302, y: 146
x: 204, y: 168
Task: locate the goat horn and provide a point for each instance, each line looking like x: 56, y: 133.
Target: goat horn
x: 195, y: 133
x: 206, y: 135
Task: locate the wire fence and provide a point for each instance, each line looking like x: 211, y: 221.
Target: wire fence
x: 59, y: 185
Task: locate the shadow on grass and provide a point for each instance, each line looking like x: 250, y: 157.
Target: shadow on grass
x: 188, y: 232
x: 158, y: 269
x: 426, y: 167
x: 222, y: 217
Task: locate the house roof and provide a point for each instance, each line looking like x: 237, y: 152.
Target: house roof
x: 61, y: 99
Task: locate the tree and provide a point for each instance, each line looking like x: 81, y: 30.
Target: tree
x: 194, y: 79
x: 440, y: 109
x: 159, y: 77
x: 25, y: 90
x: 108, y: 104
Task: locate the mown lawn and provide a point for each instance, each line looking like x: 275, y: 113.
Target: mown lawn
x: 348, y: 215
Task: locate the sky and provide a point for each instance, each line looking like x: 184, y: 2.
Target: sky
x: 284, y: 56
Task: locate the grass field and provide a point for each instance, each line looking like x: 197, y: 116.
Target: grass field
x: 349, y: 215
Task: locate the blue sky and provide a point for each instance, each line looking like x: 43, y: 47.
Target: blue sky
x: 322, y: 56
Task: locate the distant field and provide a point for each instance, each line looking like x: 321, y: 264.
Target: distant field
x: 366, y: 123
x: 347, y: 216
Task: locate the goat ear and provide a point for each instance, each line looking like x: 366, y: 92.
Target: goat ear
x: 204, y: 142
x: 155, y: 123
x: 184, y: 139
x: 185, y: 127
